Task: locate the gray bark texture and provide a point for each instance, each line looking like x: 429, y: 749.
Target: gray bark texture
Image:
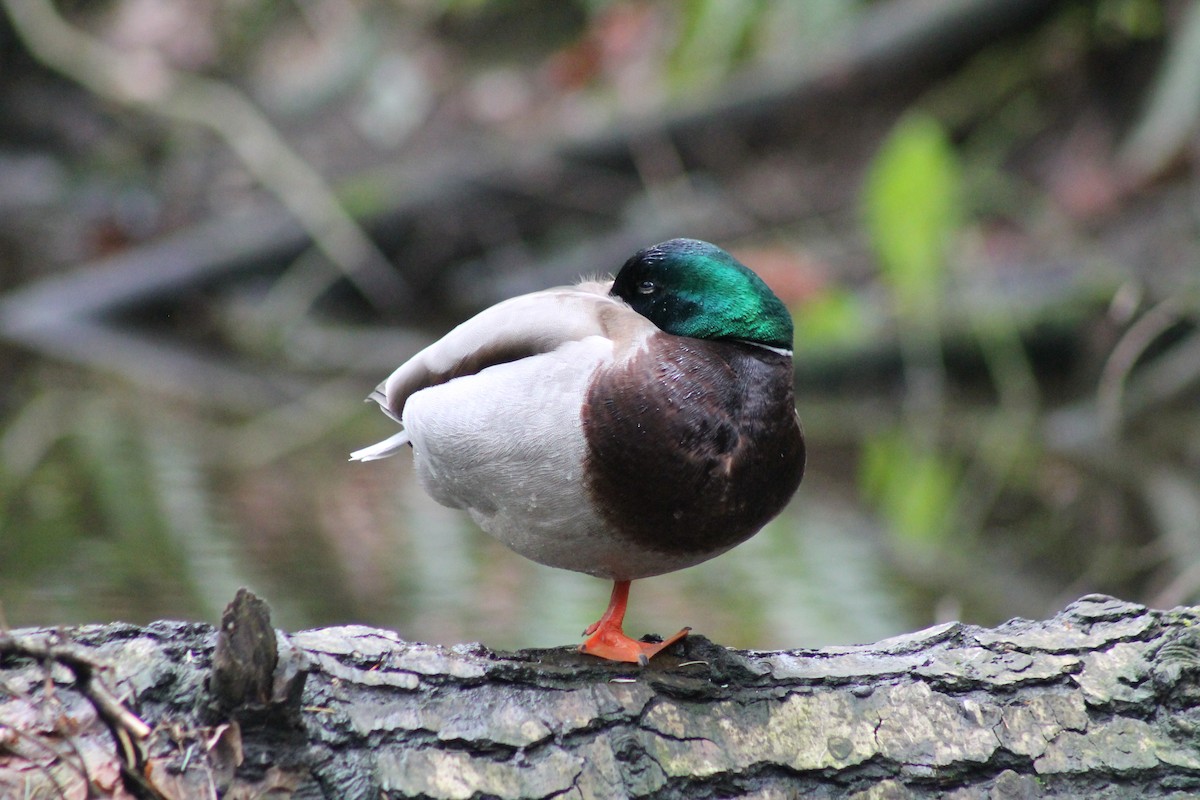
x: 1098, y: 702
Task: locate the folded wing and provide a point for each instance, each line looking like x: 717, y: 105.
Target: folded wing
x: 514, y: 329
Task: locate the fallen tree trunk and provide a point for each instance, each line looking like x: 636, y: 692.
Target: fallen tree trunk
x: 1098, y: 701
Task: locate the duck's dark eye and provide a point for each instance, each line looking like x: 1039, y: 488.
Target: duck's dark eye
x: 646, y: 287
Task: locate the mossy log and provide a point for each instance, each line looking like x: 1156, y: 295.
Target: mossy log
x: 1099, y: 701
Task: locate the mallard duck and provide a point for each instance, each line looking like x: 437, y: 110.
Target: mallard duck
x: 622, y: 428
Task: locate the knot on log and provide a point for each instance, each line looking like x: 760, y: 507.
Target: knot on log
x: 249, y: 677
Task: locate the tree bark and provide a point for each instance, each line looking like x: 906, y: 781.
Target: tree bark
x: 1098, y: 701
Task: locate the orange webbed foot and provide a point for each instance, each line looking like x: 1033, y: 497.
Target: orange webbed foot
x: 607, y: 639
x: 614, y: 645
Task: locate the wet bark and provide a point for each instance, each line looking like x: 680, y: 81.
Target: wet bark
x: 1099, y: 701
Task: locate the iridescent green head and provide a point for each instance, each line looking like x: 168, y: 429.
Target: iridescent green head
x: 692, y: 288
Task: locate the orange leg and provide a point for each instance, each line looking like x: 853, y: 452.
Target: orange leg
x: 607, y: 640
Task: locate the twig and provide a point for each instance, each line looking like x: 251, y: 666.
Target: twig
x: 1172, y: 114
x: 1111, y: 391
x: 1168, y: 376
x: 86, y: 680
x: 1008, y: 431
x: 142, y: 79
x: 127, y: 729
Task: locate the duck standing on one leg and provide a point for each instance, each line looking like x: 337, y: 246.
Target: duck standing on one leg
x: 621, y: 429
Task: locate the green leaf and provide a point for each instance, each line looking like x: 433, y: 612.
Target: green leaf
x: 834, y: 317
x: 912, y: 206
x: 913, y: 487
x: 714, y: 37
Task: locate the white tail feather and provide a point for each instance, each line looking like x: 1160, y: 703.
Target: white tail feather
x: 388, y: 447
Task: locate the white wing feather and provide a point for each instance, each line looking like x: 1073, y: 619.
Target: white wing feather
x: 518, y: 328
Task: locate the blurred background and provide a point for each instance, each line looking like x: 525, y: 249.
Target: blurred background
x: 222, y: 222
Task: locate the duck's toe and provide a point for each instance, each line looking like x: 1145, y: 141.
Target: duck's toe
x: 611, y: 643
